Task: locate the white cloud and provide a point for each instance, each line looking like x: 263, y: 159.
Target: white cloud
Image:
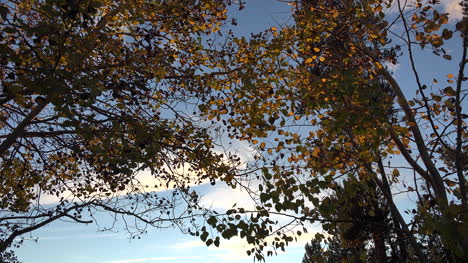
x: 224, y: 197
x: 84, y: 236
x: 152, y: 259
x: 144, y: 182
x: 188, y: 244
x: 235, y: 248
x: 231, y: 250
x: 392, y: 67
x: 454, y: 9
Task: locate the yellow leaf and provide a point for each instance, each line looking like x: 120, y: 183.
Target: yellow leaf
x: 315, y: 152
x: 322, y: 59
x: 316, y: 49
x: 443, y: 19
x: 396, y: 172
x: 450, y: 76
x: 262, y: 145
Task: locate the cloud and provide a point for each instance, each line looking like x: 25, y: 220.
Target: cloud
x: 152, y: 259
x: 454, y: 9
x: 188, y: 244
x: 235, y: 248
x: 143, y: 182
x: 224, y: 197
x: 83, y: 236
x: 392, y: 67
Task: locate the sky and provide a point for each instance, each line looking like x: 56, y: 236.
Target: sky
x: 76, y: 243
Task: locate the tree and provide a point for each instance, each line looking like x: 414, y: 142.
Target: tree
x: 90, y: 95
x: 370, y: 235
x: 313, y: 251
x: 318, y: 104
x: 333, y: 252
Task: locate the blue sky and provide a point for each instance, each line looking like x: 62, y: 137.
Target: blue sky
x: 75, y: 243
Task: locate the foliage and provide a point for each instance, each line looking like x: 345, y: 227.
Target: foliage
x: 89, y: 97
x: 317, y: 103
x: 334, y: 252
x: 94, y: 91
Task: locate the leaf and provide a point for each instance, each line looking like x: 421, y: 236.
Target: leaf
x: 447, y: 34
x: 449, y: 91
x: 3, y: 12
x: 209, y: 242
x: 204, y: 236
x: 447, y: 57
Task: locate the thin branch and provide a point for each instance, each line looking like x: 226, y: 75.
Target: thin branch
x: 436, y: 179
x: 41, y: 134
x: 416, y: 75
x: 385, y: 187
x: 409, y: 158
x: 7, y: 242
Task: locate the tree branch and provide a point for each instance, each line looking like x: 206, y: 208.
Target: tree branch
x: 388, y: 196
x: 436, y: 178
x: 19, y: 131
x: 458, y: 109
x: 7, y: 242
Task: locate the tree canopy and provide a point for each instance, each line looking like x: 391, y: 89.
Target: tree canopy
x: 95, y: 91
x: 318, y: 103
x: 90, y: 95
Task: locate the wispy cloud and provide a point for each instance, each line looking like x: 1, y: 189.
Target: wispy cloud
x: 83, y: 236
x: 152, y: 259
x: 224, y: 197
x: 188, y: 244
